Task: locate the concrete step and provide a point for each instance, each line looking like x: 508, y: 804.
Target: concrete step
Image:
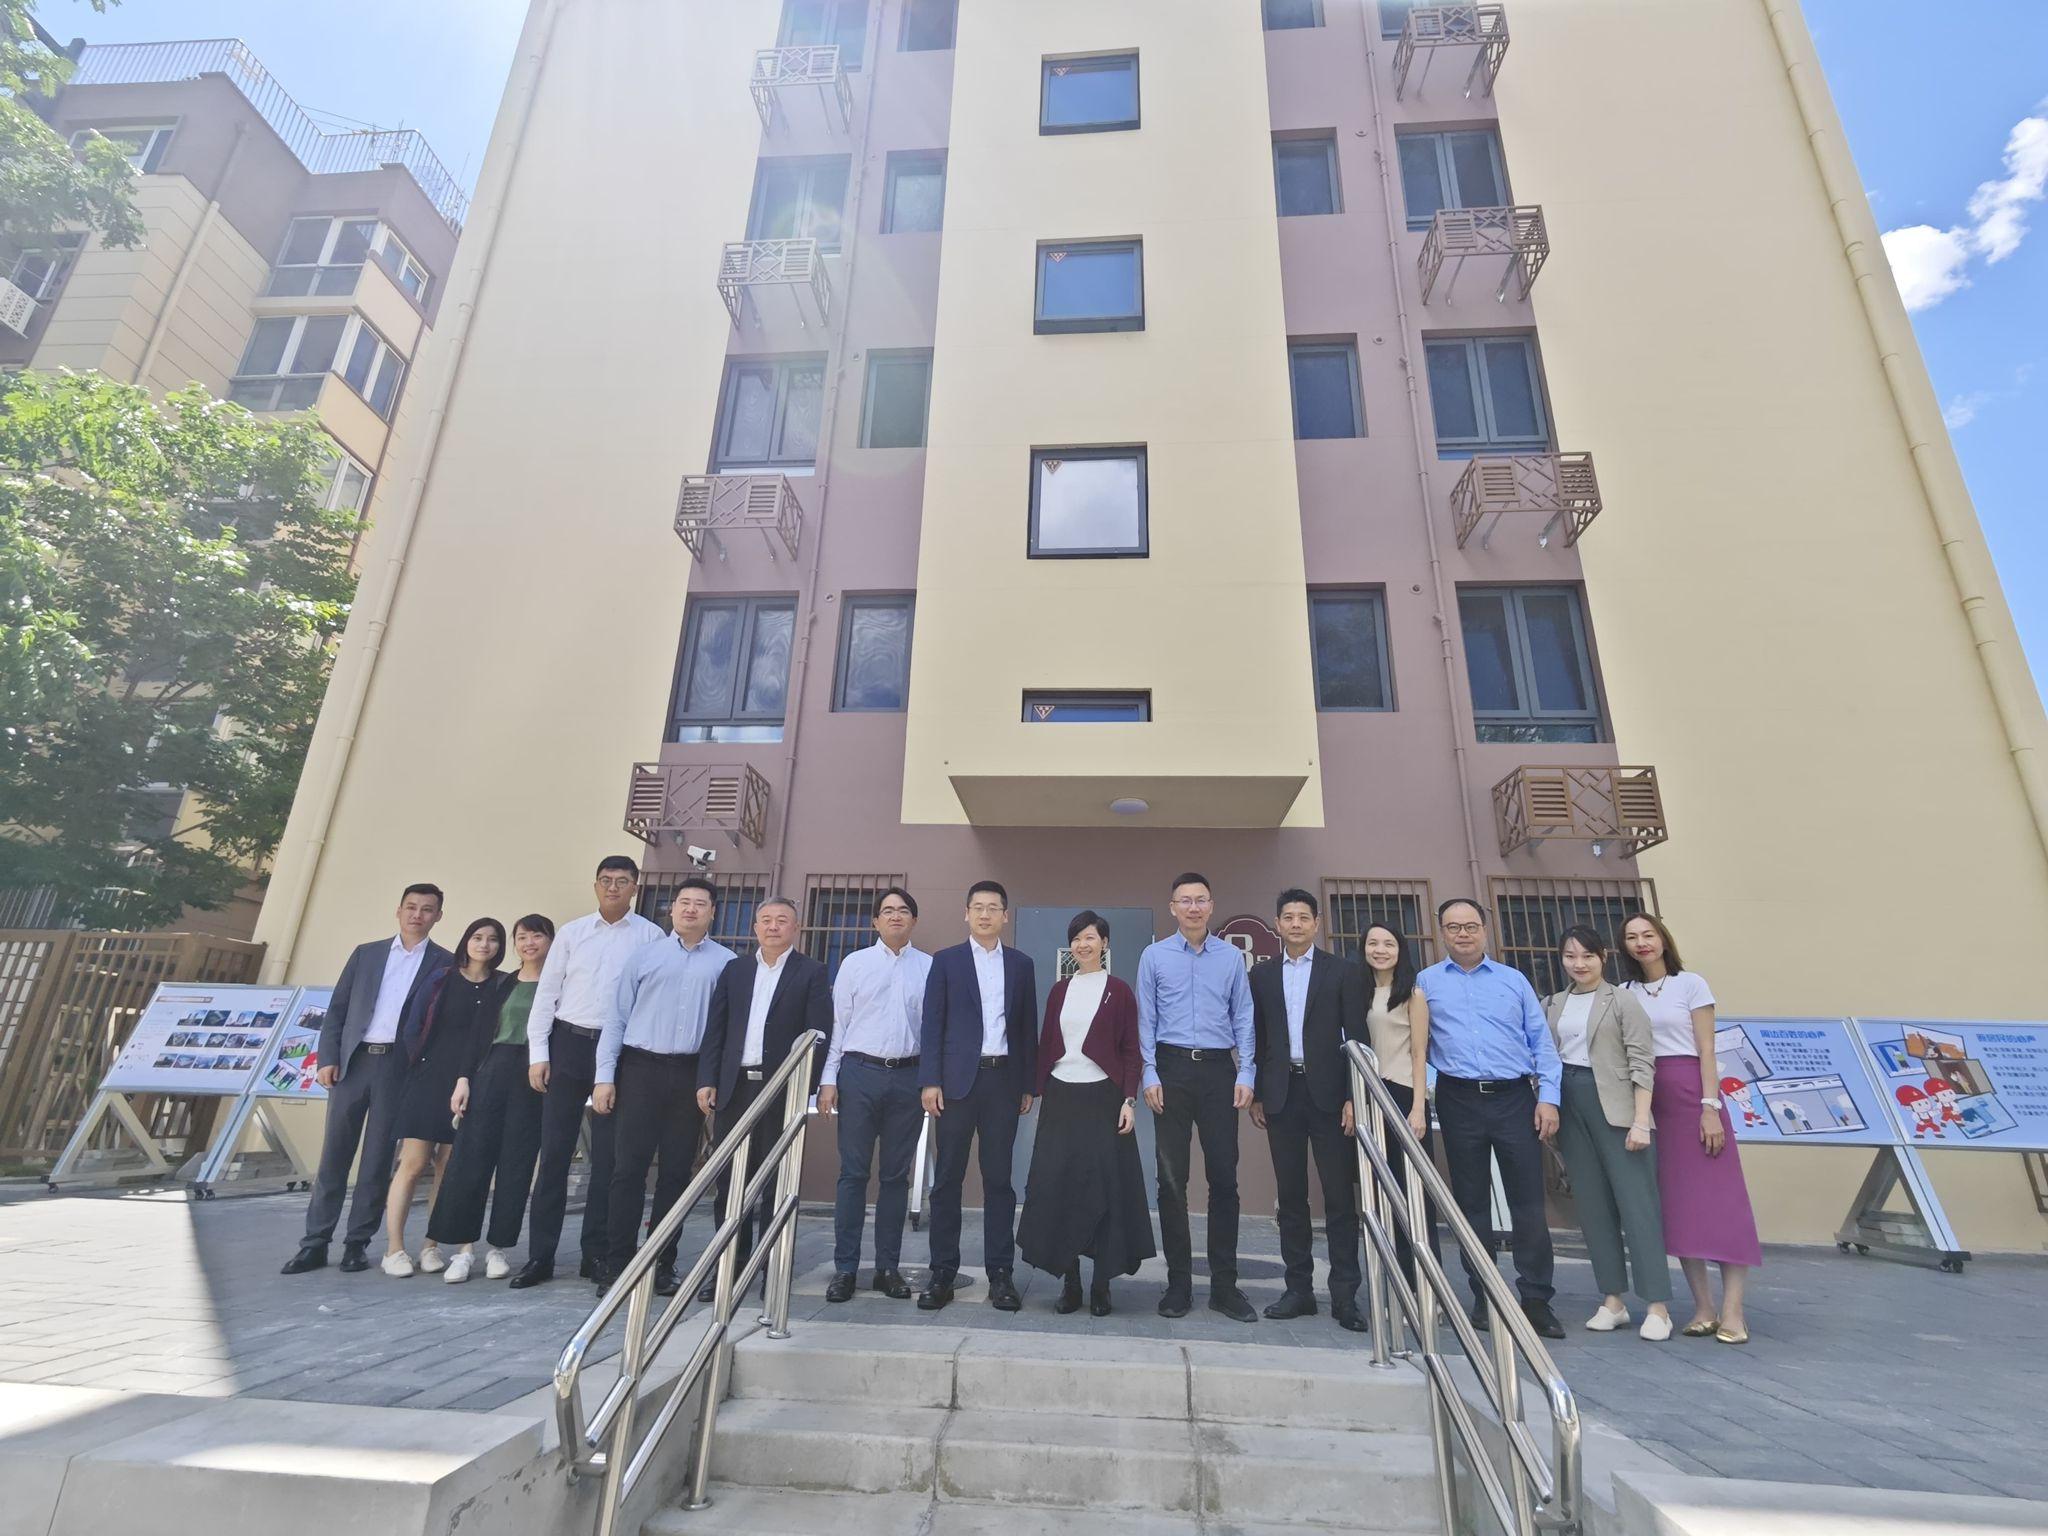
x: 1382, y: 1481
x: 1069, y: 1460
x: 768, y: 1442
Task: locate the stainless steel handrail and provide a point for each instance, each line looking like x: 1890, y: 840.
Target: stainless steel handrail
x: 604, y: 1444
x: 1534, y: 1491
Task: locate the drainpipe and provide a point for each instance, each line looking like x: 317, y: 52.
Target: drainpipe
x: 828, y: 417
x: 284, y: 909
x: 2013, y: 695
x: 189, y: 260
x: 1439, y: 588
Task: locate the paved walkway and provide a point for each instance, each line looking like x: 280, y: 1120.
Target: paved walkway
x: 1859, y: 1371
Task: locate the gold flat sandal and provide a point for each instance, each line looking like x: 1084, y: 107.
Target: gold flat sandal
x: 1732, y: 1335
x: 1701, y: 1329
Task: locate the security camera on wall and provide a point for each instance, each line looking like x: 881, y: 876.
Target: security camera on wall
x: 703, y: 858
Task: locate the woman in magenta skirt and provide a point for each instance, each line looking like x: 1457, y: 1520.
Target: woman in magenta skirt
x: 1707, y: 1217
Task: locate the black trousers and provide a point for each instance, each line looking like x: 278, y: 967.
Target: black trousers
x: 988, y: 1114
x: 361, y: 1108
x: 1199, y: 1098
x: 657, y: 1117
x: 495, y: 1148
x: 572, y: 1073
x: 876, y: 1104
x: 1292, y: 1132
x: 760, y: 1141
x: 1480, y: 1127
x: 1397, y: 1160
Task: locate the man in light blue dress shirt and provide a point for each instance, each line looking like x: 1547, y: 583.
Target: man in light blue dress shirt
x: 1498, y: 1074
x: 647, y: 1073
x: 870, y: 1079
x: 1194, y: 1011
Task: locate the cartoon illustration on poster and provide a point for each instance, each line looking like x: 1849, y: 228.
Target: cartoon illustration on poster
x: 1964, y: 1085
x: 198, y: 1039
x: 291, y: 1072
x: 1798, y: 1080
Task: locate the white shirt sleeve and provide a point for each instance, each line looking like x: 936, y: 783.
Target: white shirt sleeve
x: 547, y: 996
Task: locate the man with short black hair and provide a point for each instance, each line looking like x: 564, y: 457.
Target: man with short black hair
x: 578, y: 989
x: 363, y: 1070
x: 870, y: 1078
x: 1194, y: 1011
x: 979, y: 1064
x: 1497, y: 1082
x: 647, y: 1073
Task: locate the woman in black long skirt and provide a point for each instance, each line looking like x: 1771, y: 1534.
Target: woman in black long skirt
x: 439, y: 1033
x: 1086, y: 1193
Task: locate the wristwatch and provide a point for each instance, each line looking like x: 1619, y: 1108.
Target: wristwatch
x: 1710, y: 1103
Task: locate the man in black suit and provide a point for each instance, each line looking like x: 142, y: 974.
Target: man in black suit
x: 1305, y: 1005
x: 759, y: 1006
x: 363, y: 1070
x: 978, y: 1064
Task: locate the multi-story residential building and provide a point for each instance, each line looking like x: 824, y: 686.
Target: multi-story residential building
x: 1402, y: 451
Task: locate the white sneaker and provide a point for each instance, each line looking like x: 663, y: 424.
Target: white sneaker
x: 1606, y: 1321
x: 459, y: 1268
x: 398, y: 1265
x: 431, y: 1261
x: 1655, y: 1328
x: 496, y: 1265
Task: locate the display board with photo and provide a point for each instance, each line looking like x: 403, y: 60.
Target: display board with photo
x: 1967, y: 1085
x: 291, y: 1070
x: 1798, y: 1080
x: 199, y: 1039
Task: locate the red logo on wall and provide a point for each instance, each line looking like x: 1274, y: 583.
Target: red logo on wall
x: 1252, y: 937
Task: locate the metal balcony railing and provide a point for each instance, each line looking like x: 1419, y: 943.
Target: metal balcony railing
x: 1431, y: 27
x: 709, y: 505
x: 682, y: 800
x: 1456, y: 235
x: 1621, y: 806
x: 778, y: 71
x: 1560, y: 485
x: 321, y: 152
x: 793, y: 264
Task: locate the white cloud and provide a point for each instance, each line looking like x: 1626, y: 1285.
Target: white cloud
x: 1962, y: 410
x: 1930, y: 263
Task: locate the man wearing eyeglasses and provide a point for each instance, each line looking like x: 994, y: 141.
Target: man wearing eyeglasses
x: 578, y: 989
x: 1194, y: 1011
x: 1497, y: 1082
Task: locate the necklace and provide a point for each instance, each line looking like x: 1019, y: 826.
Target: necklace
x: 1656, y: 987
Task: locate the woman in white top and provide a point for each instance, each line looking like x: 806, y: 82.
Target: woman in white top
x: 1603, y: 1133
x: 1707, y: 1216
x: 1397, y: 1024
x: 1086, y: 1191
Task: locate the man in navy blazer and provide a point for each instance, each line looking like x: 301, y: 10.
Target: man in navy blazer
x: 978, y: 1065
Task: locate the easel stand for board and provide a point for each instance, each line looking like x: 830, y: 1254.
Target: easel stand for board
x: 84, y: 1166
x: 276, y: 1164
x: 1920, y: 1234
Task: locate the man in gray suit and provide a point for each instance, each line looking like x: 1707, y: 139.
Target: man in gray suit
x: 362, y: 1067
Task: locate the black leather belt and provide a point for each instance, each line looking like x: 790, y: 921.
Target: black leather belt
x: 376, y: 1050
x: 989, y: 1063
x: 578, y: 1030
x: 891, y: 1063
x: 1484, y: 1084
x: 1194, y: 1052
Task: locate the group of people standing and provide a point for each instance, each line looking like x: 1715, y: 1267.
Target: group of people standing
x: 442, y: 1060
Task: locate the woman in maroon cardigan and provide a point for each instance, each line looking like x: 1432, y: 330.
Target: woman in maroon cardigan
x: 1086, y: 1193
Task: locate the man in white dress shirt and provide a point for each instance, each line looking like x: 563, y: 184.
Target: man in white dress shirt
x: 578, y: 989
x: 871, y: 1079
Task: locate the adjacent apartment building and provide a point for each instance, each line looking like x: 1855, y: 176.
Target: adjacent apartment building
x: 1405, y: 451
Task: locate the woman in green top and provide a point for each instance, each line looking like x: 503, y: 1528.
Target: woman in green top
x: 497, y: 1116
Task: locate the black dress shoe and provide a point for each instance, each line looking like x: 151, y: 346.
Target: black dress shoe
x: 1176, y: 1300
x: 1478, y: 1313
x: 937, y: 1292
x: 1070, y: 1295
x: 312, y: 1256
x: 841, y: 1286
x: 1542, y: 1319
x: 892, y: 1285
x: 1291, y: 1304
x: 1229, y: 1300
x: 536, y: 1272
x: 707, y: 1292
x: 665, y: 1277
x: 354, y: 1258
x: 1002, y: 1293
x: 590, y: 1269
x: 1098, y: 1301
x: 1348, y: 1316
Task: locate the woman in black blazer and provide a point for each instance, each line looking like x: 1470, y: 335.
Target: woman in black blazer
x: 1086, y: 1192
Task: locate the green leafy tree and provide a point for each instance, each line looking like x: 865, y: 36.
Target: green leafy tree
x: 44, y: 186
x: 170, y: 588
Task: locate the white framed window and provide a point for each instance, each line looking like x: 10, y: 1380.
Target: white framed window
x: 289, y: 355
x: 40, y: 271
x: 406, y: 269
x: 373, y: 369
x: 324, y: 255
x: 348, y: 486
x: 143, y: 144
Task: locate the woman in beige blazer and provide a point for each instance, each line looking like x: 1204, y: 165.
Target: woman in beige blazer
x: 1603, y: 1134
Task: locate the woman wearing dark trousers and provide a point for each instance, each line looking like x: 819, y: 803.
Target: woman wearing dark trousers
x: 1086, y: 1191
x: 499, y: 1136
x: 438, y: 1034
x: 1397, y: 1020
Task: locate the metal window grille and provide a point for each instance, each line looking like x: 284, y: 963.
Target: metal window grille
x: 839, y: 915
x: 1408, y: 906
x: 1531, y: 915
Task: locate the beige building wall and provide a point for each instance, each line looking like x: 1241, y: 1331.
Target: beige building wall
x: 1214, y: 621
x: 1778, y: 630
x: 535, y: 596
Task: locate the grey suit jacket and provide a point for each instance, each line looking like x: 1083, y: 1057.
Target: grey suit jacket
x: 1619, y: 1046
x: 355, y: 998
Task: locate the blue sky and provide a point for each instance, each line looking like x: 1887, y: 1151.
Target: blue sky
x: 1930, y: 111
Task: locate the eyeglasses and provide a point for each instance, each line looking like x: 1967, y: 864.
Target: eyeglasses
x: 617, y: 882
x: 1461, y: 930
x: 986, y: 909
x: 1193, y: 902
x: 894, y: 912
